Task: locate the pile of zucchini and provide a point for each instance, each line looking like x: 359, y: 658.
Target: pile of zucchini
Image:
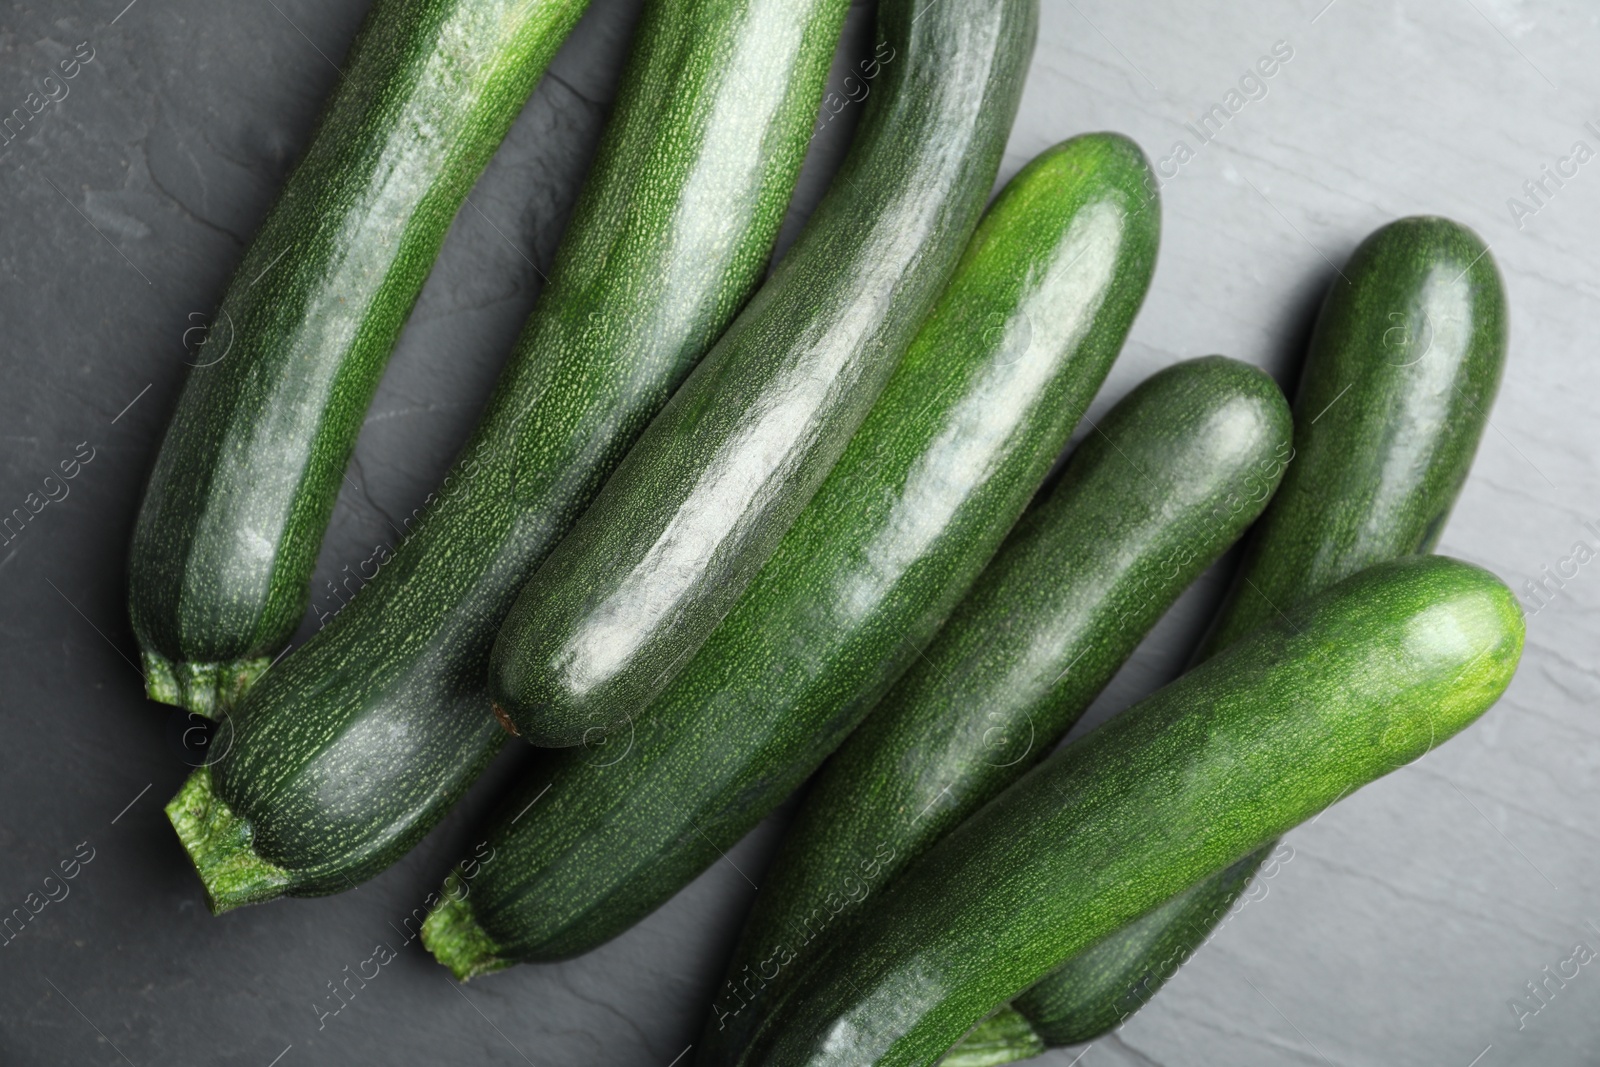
x: 713, y: 534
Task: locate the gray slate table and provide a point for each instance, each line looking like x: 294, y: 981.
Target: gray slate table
x: 1408, y: 917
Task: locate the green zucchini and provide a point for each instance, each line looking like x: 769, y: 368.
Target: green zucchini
x: 245, y: 482
x: 1403, y: 367
x: 960, y: 438
x: 352, y: 748
x: 1063, y: 1005
x: 1173, y: 476
x: 1273, y: 729
x: 701, y: 502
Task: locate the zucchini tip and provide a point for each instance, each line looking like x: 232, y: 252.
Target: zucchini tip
x: 219, y: 843
x: 208, y: 689
x: 451, y: 932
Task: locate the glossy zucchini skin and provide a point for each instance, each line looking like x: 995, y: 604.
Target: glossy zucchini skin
x: 247, y: 475
x: 702, y: 501
x: 1403, y: 366
x: 1402, y: 369
x: 353, y: 747
x: 1172, y: 476
x: 967, y: 427
x: 1274, y: 728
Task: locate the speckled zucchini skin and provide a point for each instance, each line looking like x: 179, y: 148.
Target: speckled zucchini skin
x: 1352, y: 685
x: 251, y: 464
x: 1173, y: 476
x: 704, y: 498
x: 352, y: 748
x: 960, y: 439
x: 1091, y: 992
x: 1403, y: 367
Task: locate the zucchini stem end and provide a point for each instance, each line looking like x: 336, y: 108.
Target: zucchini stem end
x: 219, y: 843
x: 451, y: 932
x: 209, y: 689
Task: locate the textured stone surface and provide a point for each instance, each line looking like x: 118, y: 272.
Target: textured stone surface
x: 1409, y: 915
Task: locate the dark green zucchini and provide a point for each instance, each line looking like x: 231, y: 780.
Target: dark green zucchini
x: 1268, y: 732
x: 1403, y: 367
x: 247, y: 475
x: 1174, y: 475
x: 960, y: 438
x: 352, y: 748
x: 702, y: 501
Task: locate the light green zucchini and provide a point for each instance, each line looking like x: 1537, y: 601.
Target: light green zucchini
x: 1274, y: 728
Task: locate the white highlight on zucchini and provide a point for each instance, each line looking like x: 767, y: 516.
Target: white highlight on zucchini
x: 1057, y: 308
x: 740, y: 489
